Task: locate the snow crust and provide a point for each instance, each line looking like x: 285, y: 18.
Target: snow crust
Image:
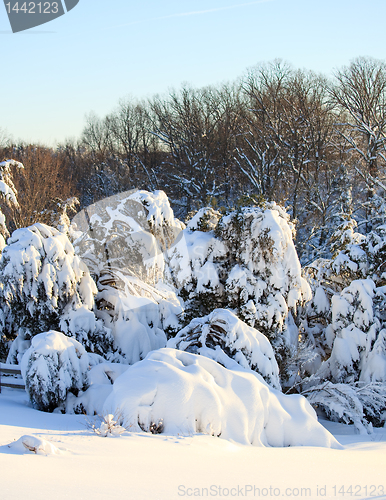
x: 185, y: 393
x: 121, y: 467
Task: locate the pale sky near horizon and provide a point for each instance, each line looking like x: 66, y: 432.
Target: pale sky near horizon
x: 105, y: 50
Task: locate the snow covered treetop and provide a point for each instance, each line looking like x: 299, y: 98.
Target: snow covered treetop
x: 206, y: 219
x: 5, y: 165
x: 7, y: 188
x: 260, y: 240
x: 8, y: 193
x: 160, y: 217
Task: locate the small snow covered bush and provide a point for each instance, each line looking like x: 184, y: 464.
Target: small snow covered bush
x: 52, y: 367
x: 224, y: 338
x: 108, y: 427
x: 183, y: 393
x: 41, y: 281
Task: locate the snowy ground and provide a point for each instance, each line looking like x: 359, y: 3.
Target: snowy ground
x: 142, y: 466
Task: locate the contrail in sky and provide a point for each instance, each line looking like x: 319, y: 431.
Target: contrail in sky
x: 192, y: 13
x: 218, y: 9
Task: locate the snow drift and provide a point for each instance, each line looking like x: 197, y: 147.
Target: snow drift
x: 34, y: 444
x: 182, y: 393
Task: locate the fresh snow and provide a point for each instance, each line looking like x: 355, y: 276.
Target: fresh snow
x: 140, y: 466
x: 187, y: 394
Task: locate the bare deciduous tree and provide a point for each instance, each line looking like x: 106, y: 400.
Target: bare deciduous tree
x: 360, y: 91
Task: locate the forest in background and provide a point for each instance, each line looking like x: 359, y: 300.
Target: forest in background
x: 316, y: 146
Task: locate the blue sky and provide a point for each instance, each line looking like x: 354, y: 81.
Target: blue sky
x: 104, y: 50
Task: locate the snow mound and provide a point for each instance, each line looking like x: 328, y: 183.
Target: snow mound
x: 35, y: 445
x: 224, y: 338
x: 176, y: 392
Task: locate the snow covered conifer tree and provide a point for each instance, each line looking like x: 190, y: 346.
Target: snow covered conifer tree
x: 354, y: 331
x: 41, y: 281
x: 246, y: 262
x: 122, y: 240
x: 346, y: 322
x: 264, y: 285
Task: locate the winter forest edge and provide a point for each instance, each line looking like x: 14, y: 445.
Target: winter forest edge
x: 274, y: 284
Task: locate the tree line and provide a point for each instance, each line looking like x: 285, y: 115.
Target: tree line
x: 315, y: 145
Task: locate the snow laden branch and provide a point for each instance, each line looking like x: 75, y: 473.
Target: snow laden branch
x: 8, y: 193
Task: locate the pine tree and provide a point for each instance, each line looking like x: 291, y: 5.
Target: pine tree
x: 42, y: 281
x: 244, y: 261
